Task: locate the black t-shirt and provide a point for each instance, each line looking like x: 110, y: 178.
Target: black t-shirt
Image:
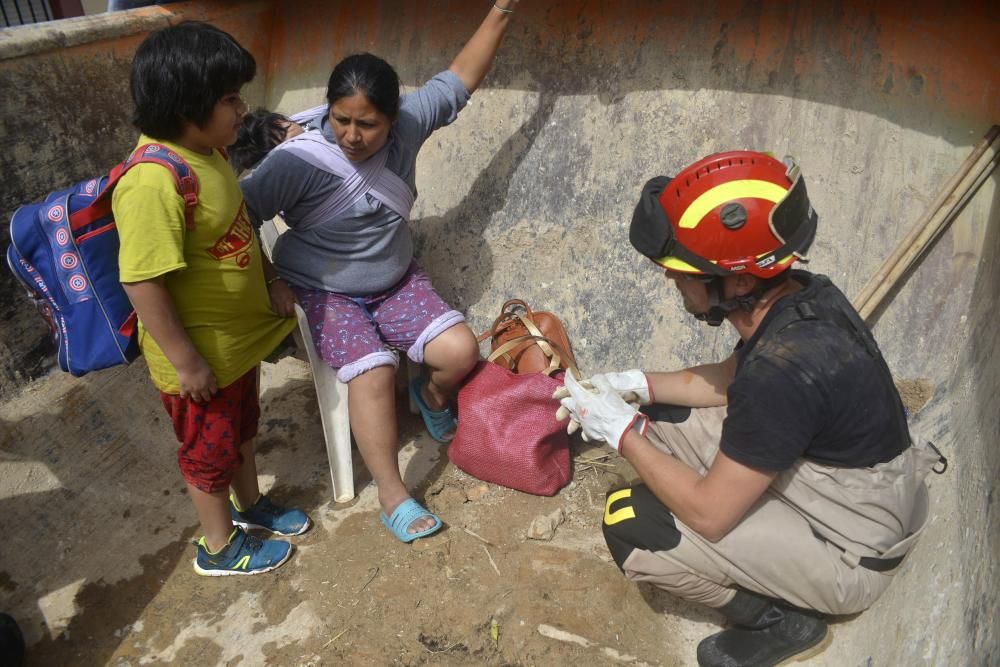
x: 810, y: 385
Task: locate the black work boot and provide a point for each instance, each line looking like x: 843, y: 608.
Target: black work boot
x: 763, y: 635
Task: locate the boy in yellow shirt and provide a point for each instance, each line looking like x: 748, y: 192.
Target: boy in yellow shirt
x: 201, y: 291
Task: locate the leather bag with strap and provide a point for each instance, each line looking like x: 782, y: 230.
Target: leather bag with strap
x: 521, y: 340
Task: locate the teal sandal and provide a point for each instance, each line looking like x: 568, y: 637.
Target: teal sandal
x: 441, y: 424
x: 406, y: 513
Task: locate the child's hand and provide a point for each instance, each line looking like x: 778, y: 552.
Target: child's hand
x: 197, y: 381
x: 282, y: 298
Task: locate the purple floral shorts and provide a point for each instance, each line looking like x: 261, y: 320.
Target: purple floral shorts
x: 356, y: 334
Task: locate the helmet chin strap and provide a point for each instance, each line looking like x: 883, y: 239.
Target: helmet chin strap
x: 718, y: 309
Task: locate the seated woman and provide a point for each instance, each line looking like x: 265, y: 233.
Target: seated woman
x: 345, y: 189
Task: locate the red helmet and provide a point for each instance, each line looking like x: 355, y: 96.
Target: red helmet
x: 733, y: 212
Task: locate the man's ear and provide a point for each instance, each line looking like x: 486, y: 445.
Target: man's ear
x: 744, y: 284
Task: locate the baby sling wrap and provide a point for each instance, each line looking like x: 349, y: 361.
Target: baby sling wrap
x: 368, y: 177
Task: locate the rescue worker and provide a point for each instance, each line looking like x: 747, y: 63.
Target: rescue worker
x: 781, y: 484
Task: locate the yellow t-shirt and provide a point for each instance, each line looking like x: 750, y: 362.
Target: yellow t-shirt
x: 213, y: 272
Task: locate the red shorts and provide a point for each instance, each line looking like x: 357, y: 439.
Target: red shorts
x: 210, y: 434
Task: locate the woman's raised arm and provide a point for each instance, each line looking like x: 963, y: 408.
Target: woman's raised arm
x: 476, y: 57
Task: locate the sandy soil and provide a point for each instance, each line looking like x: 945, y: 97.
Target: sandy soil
x: 100, y: 569
x: 97, y: 565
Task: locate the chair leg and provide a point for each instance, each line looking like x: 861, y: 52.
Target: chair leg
x: 268, y: 234
x: 331, y: 394
x: 339, y: 433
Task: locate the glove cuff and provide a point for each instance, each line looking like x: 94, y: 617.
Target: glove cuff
x: 649, y: 390
x: 640, y: 423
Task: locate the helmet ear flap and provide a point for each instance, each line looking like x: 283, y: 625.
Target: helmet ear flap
x: 651, y: 232
x: 793, y: 217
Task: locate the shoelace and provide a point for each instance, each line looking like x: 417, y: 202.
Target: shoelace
x: 253, y: 544
x: 266, y: 506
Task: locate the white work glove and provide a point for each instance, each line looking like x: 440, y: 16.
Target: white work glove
x: 601, y: 411
x: 633, y: 386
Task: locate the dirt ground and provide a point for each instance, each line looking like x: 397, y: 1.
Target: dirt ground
x: 96, y: 564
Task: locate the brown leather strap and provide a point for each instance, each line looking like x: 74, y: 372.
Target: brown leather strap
x: 515, y: 302
x: 555, y: 358
x: 542, y: 341
x: 502, y: 322
x: 505, y: 319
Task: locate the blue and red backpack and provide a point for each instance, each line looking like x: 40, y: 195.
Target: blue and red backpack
x: 64, y: 251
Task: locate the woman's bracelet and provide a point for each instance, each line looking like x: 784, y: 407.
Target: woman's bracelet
x: 271, y: 281
x: 501, y: 9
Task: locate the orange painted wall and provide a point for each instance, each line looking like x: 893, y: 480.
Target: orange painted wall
x: 943, y: 59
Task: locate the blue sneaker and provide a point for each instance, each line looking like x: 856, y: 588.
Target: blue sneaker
x: 243, y: 554
x: 265, y: 514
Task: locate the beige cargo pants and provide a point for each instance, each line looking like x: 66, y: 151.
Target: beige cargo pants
x: 804, y: 541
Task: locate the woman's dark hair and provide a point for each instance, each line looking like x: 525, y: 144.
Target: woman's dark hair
x: 369, y: 75
x: 261, y: 131
x: 180, y: 72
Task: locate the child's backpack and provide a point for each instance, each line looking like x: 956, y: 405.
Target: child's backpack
x: 64, y: 251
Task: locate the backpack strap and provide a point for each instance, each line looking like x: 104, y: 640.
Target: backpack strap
x: 184, y: 178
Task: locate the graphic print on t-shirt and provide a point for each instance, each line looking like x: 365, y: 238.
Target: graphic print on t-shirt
x: 235, y: 243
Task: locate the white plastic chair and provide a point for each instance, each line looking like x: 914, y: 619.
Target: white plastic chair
x: 331, y: 394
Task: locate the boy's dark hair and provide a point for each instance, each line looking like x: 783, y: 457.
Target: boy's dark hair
x: 369, y: 75
x: 261, y: 131
x: 180, y: 72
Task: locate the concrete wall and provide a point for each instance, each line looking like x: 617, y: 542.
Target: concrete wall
x: 529, y: 194
x: 974, y: 430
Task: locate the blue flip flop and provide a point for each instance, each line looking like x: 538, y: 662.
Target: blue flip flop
x: 438, y: 422
x: 406, y: 513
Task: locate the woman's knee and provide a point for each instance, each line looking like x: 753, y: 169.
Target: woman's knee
x: 366, y: 364
x: 377, y: 379
x: 454, y: 349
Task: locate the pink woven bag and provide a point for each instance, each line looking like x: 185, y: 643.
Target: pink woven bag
x: 508, y: 433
